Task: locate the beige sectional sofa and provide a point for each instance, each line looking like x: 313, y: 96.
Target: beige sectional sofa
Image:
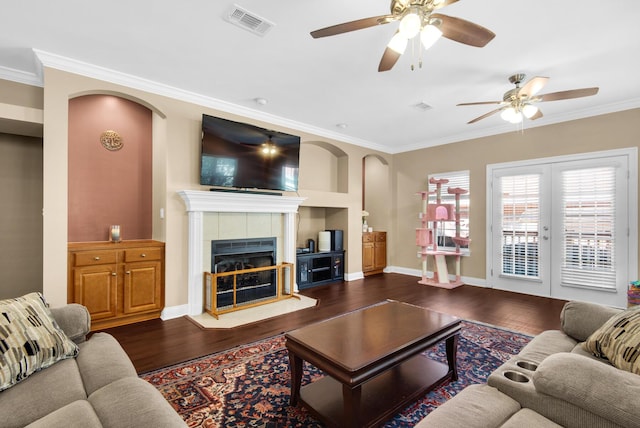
x: 98, y: 387
x: 555, y: 381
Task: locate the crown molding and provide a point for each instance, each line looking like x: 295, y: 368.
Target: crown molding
x: 33, y: 79
x: 112, y: 76
x: 70, y: 65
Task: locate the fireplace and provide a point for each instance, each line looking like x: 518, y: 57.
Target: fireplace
x: 198, y: 202
x: 231, y: 255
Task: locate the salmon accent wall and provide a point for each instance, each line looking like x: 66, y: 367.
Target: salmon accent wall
x: 109, y: 187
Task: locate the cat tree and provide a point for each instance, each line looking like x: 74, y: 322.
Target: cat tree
x: 431, y: 216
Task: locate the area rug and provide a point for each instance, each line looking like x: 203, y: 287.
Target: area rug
x: 249, y: 386
x: 255, y: 313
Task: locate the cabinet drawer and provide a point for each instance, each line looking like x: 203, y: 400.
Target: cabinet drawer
x: 88, y: 258
x: 139, y: 254
x: 368, y: 237
x: 381, y: 237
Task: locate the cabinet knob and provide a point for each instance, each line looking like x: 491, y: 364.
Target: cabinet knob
x: 143, y: 255
x: 128, y: 272
x: 113, y: 274
x: 96, y: 258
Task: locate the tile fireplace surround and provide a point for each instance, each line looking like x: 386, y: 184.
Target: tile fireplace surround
x: 198, y: 202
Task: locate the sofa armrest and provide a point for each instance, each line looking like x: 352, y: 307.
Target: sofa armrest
x: 592, y: 385
x: 74, y: 320
x: 580, y: 319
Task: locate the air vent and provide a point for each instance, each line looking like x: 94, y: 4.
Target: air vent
x: 249, y: 21
x: 422, y: 106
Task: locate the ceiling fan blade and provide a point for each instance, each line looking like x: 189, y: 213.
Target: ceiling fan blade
x: 566, y: 95
x: 463, y: 31
x: 485, y: 115
x: 479, y: 103
x: 359, y: 24
x: 533, y: 86
x: 389, y: 59
x: 538, y: 115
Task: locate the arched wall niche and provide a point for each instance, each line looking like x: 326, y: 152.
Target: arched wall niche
x: 106, y: 184
x: 323, y: 167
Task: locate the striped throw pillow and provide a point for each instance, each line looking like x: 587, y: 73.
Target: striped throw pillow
x: 618, y: 340
x: 30, y: 339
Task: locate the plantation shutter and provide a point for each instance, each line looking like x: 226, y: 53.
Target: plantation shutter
x: 589, y: 213
x: 520, y: 224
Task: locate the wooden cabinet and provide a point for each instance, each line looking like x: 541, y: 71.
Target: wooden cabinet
x: 374, y: 252
x: 120, y: 283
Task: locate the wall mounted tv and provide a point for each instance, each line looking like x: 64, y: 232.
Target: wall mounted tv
x: 240, y: 156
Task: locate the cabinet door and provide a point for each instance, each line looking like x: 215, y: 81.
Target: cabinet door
x: 380, y: 255
x: 304, y: 271
x: 96, y: 288
x: 368, y: 256
x: 142, y: 287
x: 337, y: 266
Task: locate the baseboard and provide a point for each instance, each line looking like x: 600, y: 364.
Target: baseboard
x: 171, y: 312
x: 478, y: 282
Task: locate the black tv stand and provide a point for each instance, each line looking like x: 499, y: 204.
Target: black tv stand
x: 253, y: 192
x: 315, y: 269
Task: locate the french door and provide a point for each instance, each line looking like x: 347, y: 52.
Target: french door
x: 561, y: 228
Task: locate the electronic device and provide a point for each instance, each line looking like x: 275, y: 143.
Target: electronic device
x: 240, y: 156
x: 336, y: 239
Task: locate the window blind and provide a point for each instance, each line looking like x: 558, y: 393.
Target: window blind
x: 589, y: 212
x: 520, y: 224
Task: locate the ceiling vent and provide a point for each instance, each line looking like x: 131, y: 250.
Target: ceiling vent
x: 249, y: 21
x: 422, y: 106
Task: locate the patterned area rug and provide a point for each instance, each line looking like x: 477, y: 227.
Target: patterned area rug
x: 249, y: 386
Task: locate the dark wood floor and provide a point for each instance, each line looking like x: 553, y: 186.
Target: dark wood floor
x: 155, y: 344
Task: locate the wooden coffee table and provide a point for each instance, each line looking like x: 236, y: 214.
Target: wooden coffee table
x: 373, y: 361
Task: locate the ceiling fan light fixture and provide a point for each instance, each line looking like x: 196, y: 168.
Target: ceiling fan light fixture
x: 398, y: 43
x: 429, y: 35
x: 508, y: 114
x: 410, y: 25
x: 529, y: 110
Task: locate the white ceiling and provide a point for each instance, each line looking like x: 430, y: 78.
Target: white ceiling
x: 186, y: 49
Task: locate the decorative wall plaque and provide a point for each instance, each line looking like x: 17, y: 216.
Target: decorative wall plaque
x: 111, y: 140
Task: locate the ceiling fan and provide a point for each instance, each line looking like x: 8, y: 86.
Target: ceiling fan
x: 519, y: 102
x: 416, y: 17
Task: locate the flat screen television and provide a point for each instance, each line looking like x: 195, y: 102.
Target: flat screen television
x: 240, y: 156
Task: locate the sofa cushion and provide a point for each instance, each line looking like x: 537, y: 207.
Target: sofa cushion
x: 102, y: 360
x: 580, y: 319
x: 30, y: 339
x: 547, y: 343
x: 138, y: 404
x: 618, y: 340
x: 40, y: 394
x: 527, y: 418
x: 476, y: 406
x: 598, y: 388
x: 78, y: 414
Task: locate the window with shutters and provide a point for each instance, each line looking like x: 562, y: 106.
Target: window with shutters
x: 589, y: 214
x: 520, y: 224
x: 447, y: 229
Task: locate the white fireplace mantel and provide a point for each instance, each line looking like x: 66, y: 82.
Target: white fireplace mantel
x: 199, y: 202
